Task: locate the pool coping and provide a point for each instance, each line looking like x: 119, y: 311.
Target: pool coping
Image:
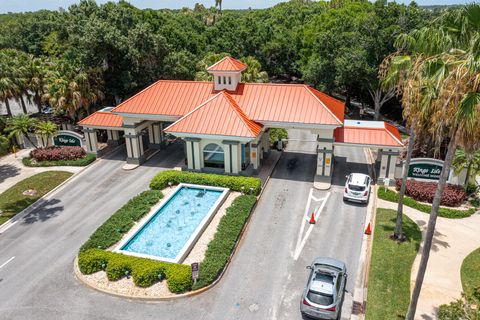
x: 188, y: 246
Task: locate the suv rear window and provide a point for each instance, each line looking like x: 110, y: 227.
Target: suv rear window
x: 355, y: 187
x: 320, y: 298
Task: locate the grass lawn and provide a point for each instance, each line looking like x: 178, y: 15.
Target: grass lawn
x: 12, y: 201
x: 470, y: 271
x: 389, y: 280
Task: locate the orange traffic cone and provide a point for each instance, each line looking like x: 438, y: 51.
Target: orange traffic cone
x: 312, y: 218
x: 368, y: 231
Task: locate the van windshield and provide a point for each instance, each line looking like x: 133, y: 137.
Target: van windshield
x: 355, y: 187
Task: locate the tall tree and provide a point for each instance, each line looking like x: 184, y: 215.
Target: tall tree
x: 20, y: 126
x: 45, y: 130
x: 447, y: 75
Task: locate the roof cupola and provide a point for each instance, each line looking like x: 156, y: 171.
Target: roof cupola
x: 227, y: 73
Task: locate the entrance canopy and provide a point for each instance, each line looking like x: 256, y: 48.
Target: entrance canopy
x: 369, y: 134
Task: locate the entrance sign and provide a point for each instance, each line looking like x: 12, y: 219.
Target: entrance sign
x: 425, y: 168
x: 68, y: 138
x: 195, y: 271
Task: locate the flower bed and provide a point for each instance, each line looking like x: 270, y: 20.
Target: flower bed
x: 241, y: 184
x: 82, y: 162
x: 390, y: 195
x: 453, y: 196
x: 58, y: 153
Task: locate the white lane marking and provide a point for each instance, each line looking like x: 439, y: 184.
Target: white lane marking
x: 302, y: 241
x: 6, y: 227
x: 8, y: 261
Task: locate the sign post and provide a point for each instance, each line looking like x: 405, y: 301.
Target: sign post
x: 194, y: 272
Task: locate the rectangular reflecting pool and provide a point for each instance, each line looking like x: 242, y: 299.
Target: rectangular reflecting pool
x: 172, y: 227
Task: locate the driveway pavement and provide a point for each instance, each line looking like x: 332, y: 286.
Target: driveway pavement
x: 264, y: 280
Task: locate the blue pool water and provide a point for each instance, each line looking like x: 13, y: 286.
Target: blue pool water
x: 169, y: 229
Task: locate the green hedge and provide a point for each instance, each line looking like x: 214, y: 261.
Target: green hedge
x: 144, y: 272
x: 235, y: 183
x: 390, y: 195
x: 85, y: 161
x: 112, y: 230
x: 228, y: 231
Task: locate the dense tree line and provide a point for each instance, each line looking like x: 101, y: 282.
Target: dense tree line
x: 110, y: 51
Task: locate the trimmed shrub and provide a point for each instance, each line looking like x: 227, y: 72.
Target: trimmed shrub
x: 390, y: 195
x: 58, y: 153
x: 144, y: 272
x: 224, y: 240
x: 112, y: 230
x: 82, y: 162
x: 235, y: 183
x: 179, y: 278
x: 118, y: 267
x: 93, y: 260
x: 453, y: 195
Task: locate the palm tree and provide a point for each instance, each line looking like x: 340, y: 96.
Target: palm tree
x: 218, y: 4
x: 36, y: 69
x: 20, y: 125
x: 445, y: 80
x: 253, y: 72
x: 7, y: 85
x: 70, y: 88
x: 468, y: 161
x: 45, y: 130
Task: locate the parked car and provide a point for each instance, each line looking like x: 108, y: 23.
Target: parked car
x: 323, y: 295
x: 357, y: 187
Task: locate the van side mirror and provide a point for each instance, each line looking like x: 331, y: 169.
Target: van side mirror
x: 309, y: 267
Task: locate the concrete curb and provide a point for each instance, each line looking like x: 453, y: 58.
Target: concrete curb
x: 79, y: 275
x: 361, y: 281
x: 9, y: 223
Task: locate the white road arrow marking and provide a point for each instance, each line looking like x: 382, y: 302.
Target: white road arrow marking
x: 301, y: 241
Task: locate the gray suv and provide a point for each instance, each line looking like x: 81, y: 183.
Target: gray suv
x: 324, y: 292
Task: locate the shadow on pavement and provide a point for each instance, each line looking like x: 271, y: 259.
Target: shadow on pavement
x: 8, y: 171
x: 342, y: 167
x: 43, y: 212
x: 170, y: 157
x: 296, y: 166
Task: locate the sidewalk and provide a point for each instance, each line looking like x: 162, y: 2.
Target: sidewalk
x: 12, y: 169
x: 454, y: 239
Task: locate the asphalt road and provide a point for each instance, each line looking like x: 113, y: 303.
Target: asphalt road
x: 264, y: 280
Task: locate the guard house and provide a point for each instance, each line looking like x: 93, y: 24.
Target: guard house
x: 225, y: 122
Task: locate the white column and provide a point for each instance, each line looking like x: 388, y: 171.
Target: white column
x: 226, y: 156
x: 254, y: 155
x: 91, y: 140
x: 194, y: 154
x: 387, y: 164
x: 236, y: 158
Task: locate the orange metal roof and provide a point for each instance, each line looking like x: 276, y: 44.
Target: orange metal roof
x: 220, y: 115
x: 228, y: 64
x: 291, y: 103
x: 102, y: 119
x: 378, y: 134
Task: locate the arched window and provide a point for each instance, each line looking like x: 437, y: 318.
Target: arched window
x: 213, y: 156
